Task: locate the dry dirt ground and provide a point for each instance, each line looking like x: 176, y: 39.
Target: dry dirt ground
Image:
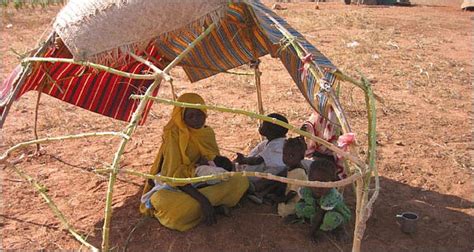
x: 419, y: 60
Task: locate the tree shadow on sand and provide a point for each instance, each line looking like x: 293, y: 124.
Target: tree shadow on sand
x: 445, y: 224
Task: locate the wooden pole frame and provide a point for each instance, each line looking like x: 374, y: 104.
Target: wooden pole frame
x: 137, y: 115
x: 128, y: 131
x: 258, y: 86
x: 363, y: 172
x: 363, y: 203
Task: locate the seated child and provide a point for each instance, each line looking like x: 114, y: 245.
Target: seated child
x: 323, y: 207
x: 293, y: 153
x: 267, y: 155
x: 220, y: 164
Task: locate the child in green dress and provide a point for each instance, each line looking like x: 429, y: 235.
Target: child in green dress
x: 324, y: 208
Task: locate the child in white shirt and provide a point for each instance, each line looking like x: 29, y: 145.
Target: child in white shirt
x: 267, y: 156
x: 293, y: 156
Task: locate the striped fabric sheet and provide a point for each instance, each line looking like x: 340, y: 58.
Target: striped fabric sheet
x: 246, y: 32
x: 309, y: 85
x: 263, y: 15
x: 94, y: 90
x: 231, y: 46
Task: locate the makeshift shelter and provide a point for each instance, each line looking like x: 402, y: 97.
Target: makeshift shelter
x: 240, y: 39
x: 143, y: 40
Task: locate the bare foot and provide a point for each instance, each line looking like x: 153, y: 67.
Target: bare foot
x: 223, y: 210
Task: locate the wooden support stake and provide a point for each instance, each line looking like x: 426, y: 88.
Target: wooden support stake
x: 137, y: 115
x: 42, y: 191
x: 226, y: 175
x: 5, y: 155
x: 35, y: 129
x: 259, y: 87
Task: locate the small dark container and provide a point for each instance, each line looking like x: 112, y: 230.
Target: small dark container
x: 407, y: 222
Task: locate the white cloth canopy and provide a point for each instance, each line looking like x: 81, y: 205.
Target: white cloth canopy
x: 92, y: 27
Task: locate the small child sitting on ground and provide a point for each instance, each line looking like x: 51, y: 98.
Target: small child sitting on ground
x: 323, y: 207
x: 267, y: 155
x: 293, y: 153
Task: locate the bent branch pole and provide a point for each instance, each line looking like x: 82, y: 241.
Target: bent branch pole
x: 137, y: 115
x: 364, y: 206
x: 226, y: 175
x: 321, y: 141
x: 42, y: 190
x: 93, y: 65
x: 52, y: 139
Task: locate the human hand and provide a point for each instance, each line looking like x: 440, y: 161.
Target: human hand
x: 240, y: 158
x: 202, y: 161
x: 209, y: 216
x: 208, y: 213
x: 290, y: 196
x: 275, y: 199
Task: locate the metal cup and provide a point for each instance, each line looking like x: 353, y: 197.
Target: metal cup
x: 407, y: 222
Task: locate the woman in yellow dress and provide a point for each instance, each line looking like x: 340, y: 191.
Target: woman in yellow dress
x: 186, y: 139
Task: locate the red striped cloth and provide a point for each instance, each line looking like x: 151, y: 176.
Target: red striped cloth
x: 88, y: 88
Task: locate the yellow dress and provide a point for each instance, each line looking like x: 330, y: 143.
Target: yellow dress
x: 180, y: 150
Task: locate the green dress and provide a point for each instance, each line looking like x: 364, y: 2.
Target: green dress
x: 336, y: 212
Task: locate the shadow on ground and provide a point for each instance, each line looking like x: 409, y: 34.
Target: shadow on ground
x: 258, y: 227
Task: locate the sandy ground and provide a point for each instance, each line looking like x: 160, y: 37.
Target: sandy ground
x: 419, y: 60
